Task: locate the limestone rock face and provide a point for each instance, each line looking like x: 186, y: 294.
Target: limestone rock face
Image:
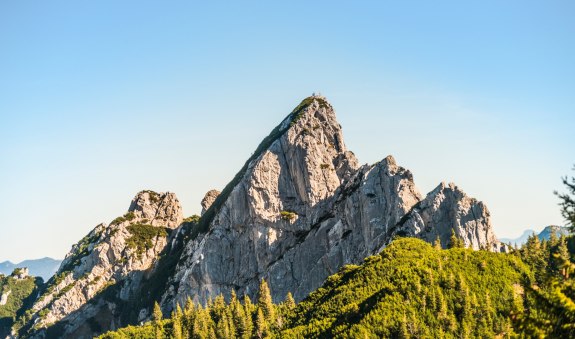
x: 109, y: 255
x: 299, y: 209
x: 304, y: 207
x: 273, y: 204
x: 209, y: 199
x: 448, y: 208
x: 160, y: 209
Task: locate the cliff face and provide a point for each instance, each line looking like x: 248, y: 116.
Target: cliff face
x: 303, y: 208
x: 299, y: 209
x: 119, y: 253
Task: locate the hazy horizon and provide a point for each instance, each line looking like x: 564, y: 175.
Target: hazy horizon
x: 102, y: 100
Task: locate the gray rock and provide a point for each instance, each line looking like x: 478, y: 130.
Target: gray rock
x: 303, y: 208
x: 107, y: 256
x: 448, y: 208
x: 209, y: 199
x: 300, y: 209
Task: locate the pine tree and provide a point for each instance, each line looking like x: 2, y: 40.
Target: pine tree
x: 240, y: 320
x: 533, y: 254
x: 201, y: 328
x: 265, y: 303
x: 551, y: 312
x: 568, y: 202
x: 262, y: 326
x: 454, y: 241
x: 158, y: 325
x: 177, y: 331
x: 249, y: 310
x: 562, y: 255
x: 437, y: 243
x: 188, y: 319
x: 290, y: 302
x: 223, y: 327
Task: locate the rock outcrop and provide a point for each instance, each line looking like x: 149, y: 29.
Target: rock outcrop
x: 118, y: 254
x: 302, y: 207
x: 209, y: 199
x: 448, y: 208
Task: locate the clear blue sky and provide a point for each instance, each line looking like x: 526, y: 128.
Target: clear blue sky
x: 101, y: 99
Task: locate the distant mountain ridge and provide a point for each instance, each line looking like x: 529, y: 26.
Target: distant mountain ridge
x: 544, y: 234
x: 43, y: 267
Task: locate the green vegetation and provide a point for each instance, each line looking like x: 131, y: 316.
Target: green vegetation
x: 550, y: 296
x: 288, y: 215
x: 142, y: 236
x: 218, y: 319
x: 324, y: 166
x: 20, y: 293
x: 414, y: 290
x: 126, y: 217
x: 17, y: 271
x: 193, y: 219
x: 410, y: 290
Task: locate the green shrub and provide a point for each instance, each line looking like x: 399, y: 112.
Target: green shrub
x: 142, y: 236
x: 288, y: 215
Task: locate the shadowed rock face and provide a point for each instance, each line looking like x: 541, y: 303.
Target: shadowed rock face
x: 304, y: 208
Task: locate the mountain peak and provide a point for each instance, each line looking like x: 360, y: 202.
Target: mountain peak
x: 158, y: 208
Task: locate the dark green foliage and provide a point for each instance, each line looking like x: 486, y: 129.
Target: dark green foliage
x: 265, y: 302
x: 455, y: 241
x: 550, y: 297
x: 20, y: 298
x: 415, y: 290
x: 324, y: 166
x: 142, y: 236
x: 568, y: 201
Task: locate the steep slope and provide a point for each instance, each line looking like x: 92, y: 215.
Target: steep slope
x: 270, y: 205
x: 44, y: 268
x: 302, y: 207
x: 120, y: 252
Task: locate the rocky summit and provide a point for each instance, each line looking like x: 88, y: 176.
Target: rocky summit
x: 302, y: 207
x: 118, y: 253
x: 298, y: 210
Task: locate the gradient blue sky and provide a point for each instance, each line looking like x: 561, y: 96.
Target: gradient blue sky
x: 101, y: 99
